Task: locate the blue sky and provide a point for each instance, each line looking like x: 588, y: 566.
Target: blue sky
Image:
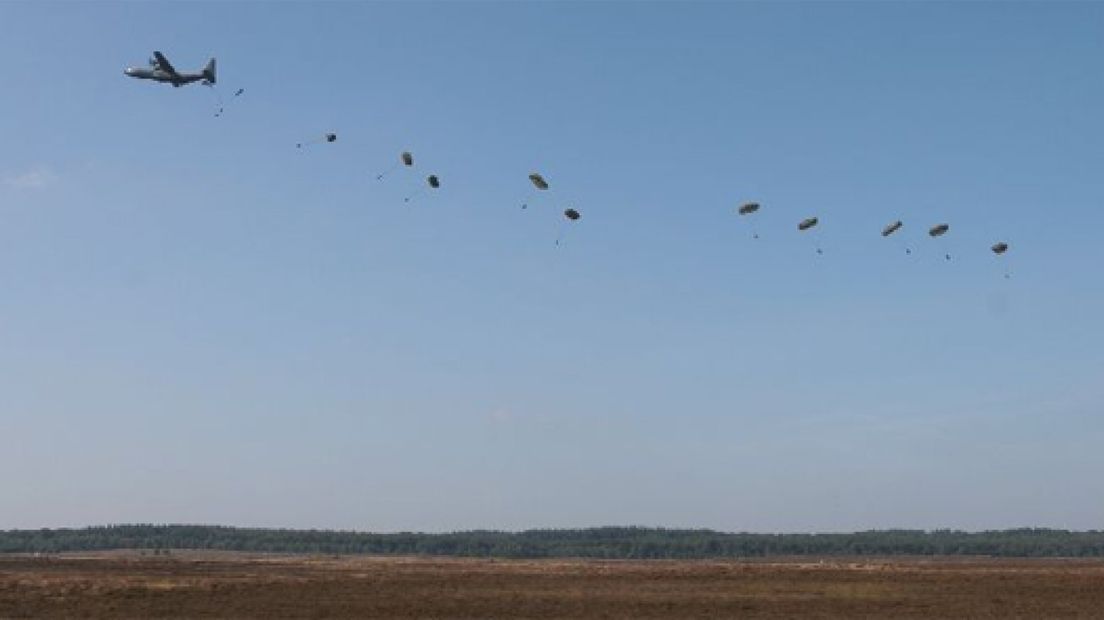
x: 201, y: 323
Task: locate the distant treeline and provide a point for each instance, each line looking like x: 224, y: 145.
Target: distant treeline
x: 602, y: 542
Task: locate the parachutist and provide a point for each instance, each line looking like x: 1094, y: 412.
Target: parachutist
x: 326, y: 137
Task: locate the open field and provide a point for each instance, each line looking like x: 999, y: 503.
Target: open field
x: 194, y: 584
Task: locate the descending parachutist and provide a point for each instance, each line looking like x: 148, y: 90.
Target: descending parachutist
x: 572, y: 216
x: 326, y: 137
x: 432, y: 181
x: 538, y: 182
x: 806, y: 224
x: 747, y: 209
x: 938, y: 231
x: 405, y: 159
x: 999, y: 249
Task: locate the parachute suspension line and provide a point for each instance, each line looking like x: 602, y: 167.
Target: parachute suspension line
x: 816, y: 244
x: 388, y: 171
x: 432, y: 182
x: 902, y: 245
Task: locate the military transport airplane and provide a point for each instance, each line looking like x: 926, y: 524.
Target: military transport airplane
x: 162, y: 71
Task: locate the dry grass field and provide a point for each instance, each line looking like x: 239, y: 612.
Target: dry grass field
x: 237, y: 585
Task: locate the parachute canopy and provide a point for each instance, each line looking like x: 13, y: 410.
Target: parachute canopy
x: 939, y: 230
x: 892, y: 228
x: 407, y: 158
x: 748, y: 208
x: 433, y: 181
x: 572, y: 214
x: 807, y: 223
x: 538, y: 181
x: 999, y: 248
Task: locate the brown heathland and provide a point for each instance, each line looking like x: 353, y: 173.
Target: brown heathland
x: 236, y: 585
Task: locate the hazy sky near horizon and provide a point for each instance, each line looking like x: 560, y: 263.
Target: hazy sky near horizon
x: 201, y: 323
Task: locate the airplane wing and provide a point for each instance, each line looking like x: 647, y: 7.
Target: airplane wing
x: 164, y: 65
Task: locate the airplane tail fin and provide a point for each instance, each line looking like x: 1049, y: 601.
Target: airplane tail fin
x: 209, y: 72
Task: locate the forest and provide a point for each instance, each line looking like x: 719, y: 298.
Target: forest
x: 599, y: 542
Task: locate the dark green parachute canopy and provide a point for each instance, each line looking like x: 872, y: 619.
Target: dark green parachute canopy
x: 538, y: 180
x: 999, y: 248
x: 807, y: 223
x: 407, y: 158
x: 939, y: 230
x: 433, y: 181
x: 892, y: 228
x: 748, y: 208
x: 572, y: 214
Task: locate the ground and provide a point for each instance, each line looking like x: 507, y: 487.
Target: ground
x: 194, y: 584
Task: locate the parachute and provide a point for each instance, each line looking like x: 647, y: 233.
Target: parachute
x: 538, y: 182
x: 747, y: 209
x: 406, y: 158
x: 806, y: 224
x: 432, y: 181
x: 892, y: 228
x: 326, y: 137
x: 570, y: 215
x: 999, y: 249
x: 938, y: 231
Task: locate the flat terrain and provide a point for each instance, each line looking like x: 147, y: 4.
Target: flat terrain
x: 237, y: 585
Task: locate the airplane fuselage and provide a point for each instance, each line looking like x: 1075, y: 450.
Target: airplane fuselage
x: 158, y: 75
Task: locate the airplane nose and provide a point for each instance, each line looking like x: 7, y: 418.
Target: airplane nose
x: 129, y: 71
